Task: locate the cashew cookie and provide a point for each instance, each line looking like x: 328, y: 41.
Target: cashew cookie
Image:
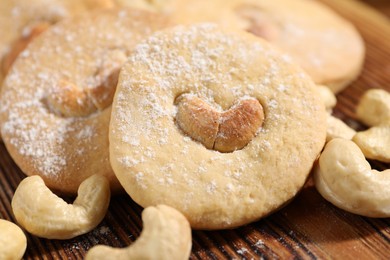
x: 215, y: 124
x: 345, y: 178
x: 325, y: 45
x: 56, y: 101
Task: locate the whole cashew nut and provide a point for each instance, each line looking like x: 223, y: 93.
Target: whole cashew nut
x: 374, y: 107
x: 345, y: 178
x: 225, y: 132
x: 166, y: 235
x: 13, y: 242
x: 374, y: 110
x: 44, y: 214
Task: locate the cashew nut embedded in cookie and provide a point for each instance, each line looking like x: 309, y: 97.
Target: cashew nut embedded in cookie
x: 374, y: 107
x: 222, y: 131
x: 44, y: 214
x: 13, y: 241
x: 345, y: 178
x: 70, y: 100
x: 166, y: 235
x: 21, y: 44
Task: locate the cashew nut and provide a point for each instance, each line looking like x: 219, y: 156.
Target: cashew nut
x: 166, y: 235
x: 327, y: 96
x: 345, y: 178
x: 375, y: 142
x: 338, y: 129
x: 31, y: 33
x: 374, y: 107
x: 69, y: 100
x: 44, y: 214
x: 225, y: 132
x: 13, y: 242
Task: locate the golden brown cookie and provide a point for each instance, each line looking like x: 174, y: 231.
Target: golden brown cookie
x: 325, y: 45
x: 56, y: 101
x: 216, y: 124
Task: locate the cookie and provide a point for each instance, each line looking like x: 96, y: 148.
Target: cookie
x: 21, y: 21
x: 216, y: 124
x: 325, y: 45
x: 56, y: 101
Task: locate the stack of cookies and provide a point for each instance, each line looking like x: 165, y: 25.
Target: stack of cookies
x: 210, y: 107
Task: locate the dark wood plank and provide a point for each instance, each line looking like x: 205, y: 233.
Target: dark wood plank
x: 307, y: 228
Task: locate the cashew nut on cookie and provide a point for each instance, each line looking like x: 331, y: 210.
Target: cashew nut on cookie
x: 44, y: 214
x: 13, y: 242
x: 345, y: 178
x: 225, y: 132
x: 166, y: 235
x: 69, y: 100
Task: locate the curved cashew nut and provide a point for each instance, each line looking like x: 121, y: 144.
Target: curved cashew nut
x: 374, y: 110
x: 166, y: 235
x: 225, y: 132
x: 44, y: 214
x: 70, y: 100
x: 375, y: 142
x: 21, y: 44
x: 13, y: 242
x: 345, y: 178
x: 338, y: 129
x: 374, y: 107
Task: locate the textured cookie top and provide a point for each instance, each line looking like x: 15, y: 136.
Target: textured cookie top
x: 325, y: 45
x: 56, y: 99
x: 156, y: 162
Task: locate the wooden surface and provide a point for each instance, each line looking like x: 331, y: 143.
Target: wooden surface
x: 308, y: 228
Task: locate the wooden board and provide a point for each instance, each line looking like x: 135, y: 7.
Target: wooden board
x: 309, y: 227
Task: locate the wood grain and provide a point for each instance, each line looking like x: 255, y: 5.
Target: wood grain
x: 308, y: 228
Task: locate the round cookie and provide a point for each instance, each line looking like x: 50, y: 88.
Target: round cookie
x: 185, y: 86
x: 325, y: 45
x: 21, y: 21
x: 56, y: 101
